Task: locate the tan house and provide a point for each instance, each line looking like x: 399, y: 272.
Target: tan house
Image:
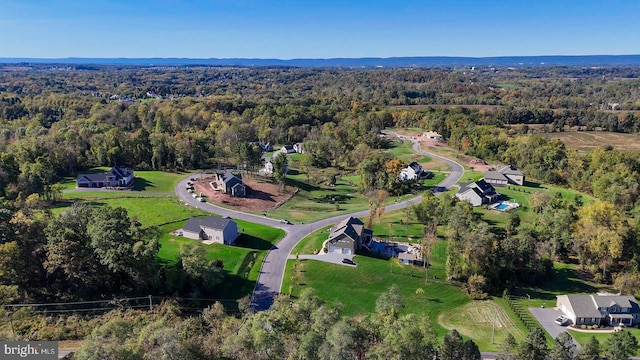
x: 600, y: 309
x: 211, y: 230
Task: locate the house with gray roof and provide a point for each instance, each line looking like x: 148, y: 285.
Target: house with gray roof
x: 229, y: 183
x: 211, y: 230
x: 477, y: 193
x: 504, y: 176
x: 117, y: 176
x: 348, y: 236
x: 600, y: 309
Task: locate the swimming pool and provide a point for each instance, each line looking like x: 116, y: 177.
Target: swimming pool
x: 503, y: 206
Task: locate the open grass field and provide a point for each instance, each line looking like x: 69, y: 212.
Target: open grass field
x: 484, y: 321
x: 589, y: 140
x: 149, y: 211
x: 403, y: 151
x: 358, y: 288
x: 583, y: 337
x: 318, y: 201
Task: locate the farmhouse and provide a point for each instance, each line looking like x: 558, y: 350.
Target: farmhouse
x: 601, y: 309
x: 432, y: 135
x: 348, y: 236
x: 506, y: 175
x: 477, y: 193
x: 211, y: 230
x: 229, y: 183
x: 118, y: 176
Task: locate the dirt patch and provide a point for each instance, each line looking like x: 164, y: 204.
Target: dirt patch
x: 262, y: 195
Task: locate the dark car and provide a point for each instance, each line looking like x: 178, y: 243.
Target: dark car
x: 348, y: 261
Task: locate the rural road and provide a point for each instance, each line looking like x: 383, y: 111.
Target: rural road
x: 271, y: 275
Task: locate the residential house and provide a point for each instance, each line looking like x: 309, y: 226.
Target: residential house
x: 287, y: 149
x: 412, y: 172
x: 348, y: 236
x: 496, y: 178
x: 211, y: 229
x: 117, y: 176
x: 432, y: 135
x: 265, y: 146
x: 600, y: 309
x: 512, y: 174
x: 229, y: 183
x: 299, y: 148
x: 267, y: 168
x: 477, y: 193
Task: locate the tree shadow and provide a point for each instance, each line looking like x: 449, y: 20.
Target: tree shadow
x: 140, y: 184
x: 302, y: 185
x: 531, y: 184
x: 259, y: 194
x: 333, y: 199
x: 293, y: 172
x: 252, y: 242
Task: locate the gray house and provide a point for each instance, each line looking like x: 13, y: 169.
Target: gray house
x: 600, y: 309
x: 117, y: 176
x: 211, y: 230
x: 348, y: 236
x: 506, y: 175
x: 477, y: 193
x: 230, y: 184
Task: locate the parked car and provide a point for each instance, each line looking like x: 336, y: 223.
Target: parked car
x: 348, y: 261
x: 202, y: 199
x: 562, y: 320
x: 285, y: 221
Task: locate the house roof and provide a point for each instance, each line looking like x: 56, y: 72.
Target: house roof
x: 495, y: 175
x: 351, y: 227
x: 119, y: 172
x: 415, y: 166
x: 195, y: 224
x: 480, y: 187
x: 588, y: 305
x: 511, y: 170
x: 229, y: 178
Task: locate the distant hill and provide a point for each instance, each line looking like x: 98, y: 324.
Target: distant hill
x: 369, y: 62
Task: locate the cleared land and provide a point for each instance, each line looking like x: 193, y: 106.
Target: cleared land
x: 589, y: 140
x: 262, y: 195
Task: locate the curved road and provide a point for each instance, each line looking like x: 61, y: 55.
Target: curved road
x: 272, y: 271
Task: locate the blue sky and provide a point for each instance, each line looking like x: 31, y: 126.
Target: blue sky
x: 288, y: 29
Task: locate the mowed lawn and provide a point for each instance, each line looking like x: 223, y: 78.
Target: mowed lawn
x: 357, y: 288
x: 404, y: 151
x: 149, y: 211
x: 144, y: 182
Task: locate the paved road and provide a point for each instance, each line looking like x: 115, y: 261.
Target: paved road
x: 271, y: 275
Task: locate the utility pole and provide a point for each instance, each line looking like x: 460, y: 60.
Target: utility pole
x: 150, y: 303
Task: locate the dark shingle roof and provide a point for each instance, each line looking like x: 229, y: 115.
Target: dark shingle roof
x: 194, y: 224
x: 496, y: 175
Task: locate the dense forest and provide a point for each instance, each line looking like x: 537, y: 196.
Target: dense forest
x: 58, y: 120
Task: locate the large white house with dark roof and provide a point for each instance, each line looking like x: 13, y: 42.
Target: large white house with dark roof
x: 477, y: 193
x: 117, y: 176
x: 600, y: 309
x: 211, y: 229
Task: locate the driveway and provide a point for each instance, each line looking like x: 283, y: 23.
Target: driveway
x: 546, y: 318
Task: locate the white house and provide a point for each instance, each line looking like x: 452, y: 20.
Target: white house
x: 211, y: 230
x: 432, y: 135
x: 477, y: 193
x: 412, y: 172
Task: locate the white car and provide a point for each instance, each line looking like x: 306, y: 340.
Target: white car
x: 562, y: 320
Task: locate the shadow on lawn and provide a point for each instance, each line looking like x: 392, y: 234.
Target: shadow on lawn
x: 565, y: 281
x: 140, y: 184
x: 301, y: 185
x: 252, y: 242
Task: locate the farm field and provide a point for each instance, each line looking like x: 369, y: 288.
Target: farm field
x: 589, y: 140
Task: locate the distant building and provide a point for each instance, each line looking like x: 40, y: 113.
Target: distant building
x: 211, y: 229
x: 600, y: 309
x: 412, y: 172
x: 117, y: 176
x: 299, y: 148
x: 432, y: 135
x: 287, y: 149
x: 506, y: 175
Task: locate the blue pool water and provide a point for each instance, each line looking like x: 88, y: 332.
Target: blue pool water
x: 502, y: 207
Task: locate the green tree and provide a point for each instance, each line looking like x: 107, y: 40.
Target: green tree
x: 389, y: 303
x: 454, y: 347
x: 590, y: 350
x: 563, y: 348
x: 621, y: 345
x: 534, y: 346
x: 280, y: 167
